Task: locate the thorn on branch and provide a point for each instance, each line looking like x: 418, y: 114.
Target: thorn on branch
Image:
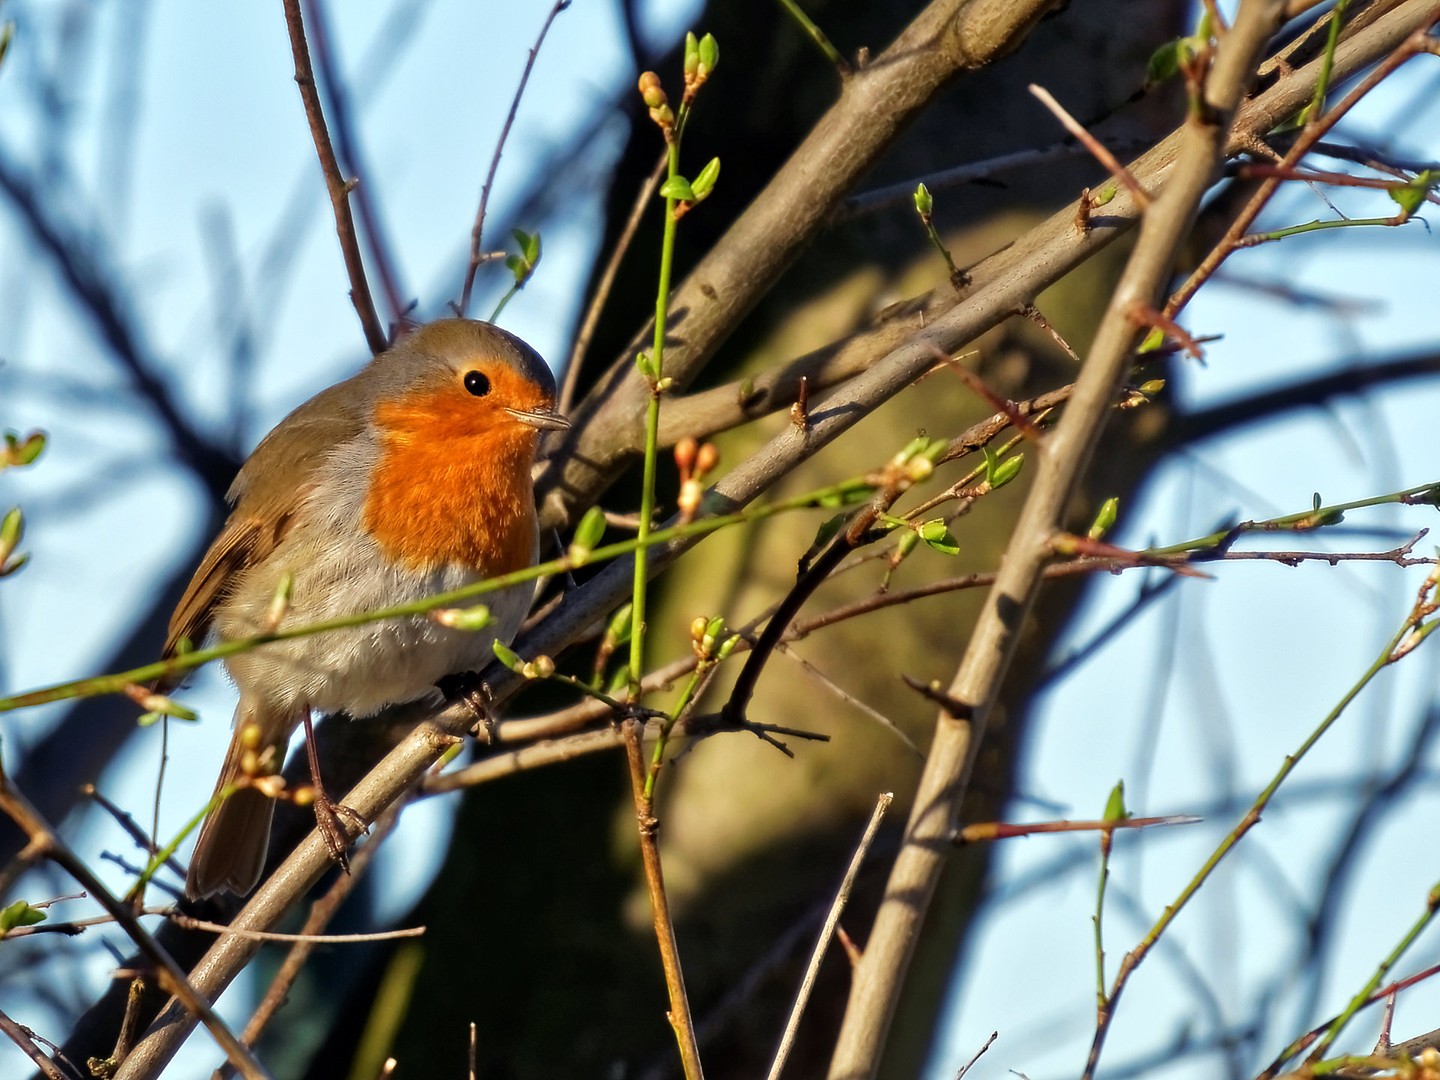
x: 931, y: 691
x: 800, y: 411
x: 1094, y: 145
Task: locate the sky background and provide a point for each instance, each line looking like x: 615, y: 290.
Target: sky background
x: 1229, y: 675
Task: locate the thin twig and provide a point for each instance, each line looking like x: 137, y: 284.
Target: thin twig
x: 335, y: 183
x: 321, y: 912
x: 679, y: 1014
x: 1308, y: 137
x: 351, y: 159
x: 822, y: 943
x: 45, y: 843
x: 477, y: 233
x: 23, y: 1037
x: 1095, y: 146
x: 313, y: 939
x: 960, y: 1075
x: 816, y: 35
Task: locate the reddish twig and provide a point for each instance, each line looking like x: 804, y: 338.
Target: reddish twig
x: 1012, y: 412
x: 1417, y: 43
x: 1001, y: 830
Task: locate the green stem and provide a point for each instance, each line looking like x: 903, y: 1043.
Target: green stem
x: 1319, y: 226
x: 957, y: 276
x: 1252, y: 816
x: 116, y: 683
x: 1327, y: 64
x: 652, y: 426
x: 1303, y: 521
x: 815, y: 34
x: 1101, y: 998
x: 1361, y: 999
x: 662, y: 738
x: 503, y: 301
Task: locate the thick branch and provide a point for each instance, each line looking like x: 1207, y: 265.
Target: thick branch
x: 1062, y: 460
x: 1010, y: 280
x: 875, y: 105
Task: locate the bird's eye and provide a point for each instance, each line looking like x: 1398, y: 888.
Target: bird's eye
x: 477, y: 383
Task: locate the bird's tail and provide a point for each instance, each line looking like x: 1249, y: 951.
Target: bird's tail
x: 230, y: 852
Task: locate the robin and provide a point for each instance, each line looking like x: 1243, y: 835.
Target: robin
x: 410, y: 478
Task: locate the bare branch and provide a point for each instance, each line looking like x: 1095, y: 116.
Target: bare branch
x: 335, y: 183
x: 477, y: 233
x: 1067, y: 450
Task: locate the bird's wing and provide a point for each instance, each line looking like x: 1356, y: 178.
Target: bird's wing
x: 268, y: 492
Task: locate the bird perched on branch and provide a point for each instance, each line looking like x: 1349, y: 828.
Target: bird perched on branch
x: 408, y: 479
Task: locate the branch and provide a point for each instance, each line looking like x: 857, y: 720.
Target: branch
x: 350, y: 159
x: 335, y: 183
x: 1005, y: 282
x: 922, y: 857
x: 45, y: 843
x: 948, y: 37
x: 1002, y: 284
x: 477, y: 233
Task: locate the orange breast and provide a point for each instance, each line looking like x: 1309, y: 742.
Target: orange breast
x: 452, y: 485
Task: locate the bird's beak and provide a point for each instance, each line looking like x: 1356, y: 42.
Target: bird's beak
x: 546, y: 419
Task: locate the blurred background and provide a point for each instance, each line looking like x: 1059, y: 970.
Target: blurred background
x: 170, y: 286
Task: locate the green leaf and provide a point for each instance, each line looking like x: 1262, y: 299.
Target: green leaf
x: 1105, y: 519
x: 618, y: 632
x: 19, y: 914
x: 847, y: 493
x: 507, y: 655
x: 709, y: 54
x: 692, y: 53
x: 1410, y: 196
x: 12, y: 528
x: 1006, y: 471
x: 529, y: 245
x: 22, y: 452
x: 523, y: 264
x: 823, y: 535
x: 645, y: 365
x: 828, y: 531
x: 1153, y: 340
x: 472, y: 618
x: 677, y: 188
x: 7, y: 34
x: 924, y: 202
x: 704, y: 184
x: 590, y: 529
x: 938, y: 537
x: 1115, y: 805
x: 1164, y: 62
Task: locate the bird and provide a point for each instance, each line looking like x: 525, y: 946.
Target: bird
x: 410, y: 478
